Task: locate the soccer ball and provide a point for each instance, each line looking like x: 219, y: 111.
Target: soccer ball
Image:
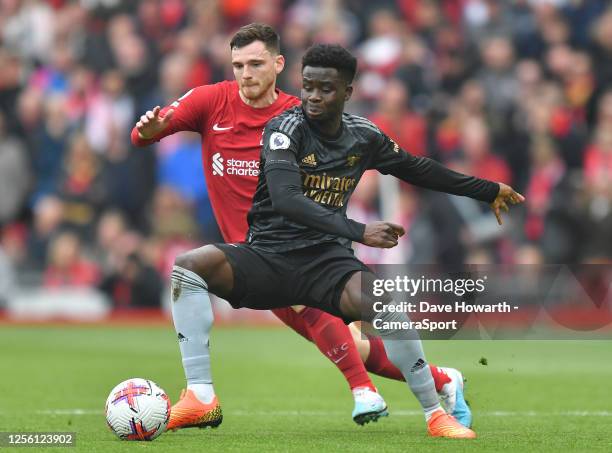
x: 137, y: 409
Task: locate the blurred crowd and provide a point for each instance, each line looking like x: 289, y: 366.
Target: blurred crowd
x: 518, y: 91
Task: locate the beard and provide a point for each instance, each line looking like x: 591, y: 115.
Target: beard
x: 255, y: 91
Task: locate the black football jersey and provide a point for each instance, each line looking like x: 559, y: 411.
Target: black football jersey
x: 330, y: 169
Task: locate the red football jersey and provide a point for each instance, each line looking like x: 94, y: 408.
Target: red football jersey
x: 231, y: 142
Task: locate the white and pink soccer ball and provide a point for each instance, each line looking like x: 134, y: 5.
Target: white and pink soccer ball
x: 137, y: 409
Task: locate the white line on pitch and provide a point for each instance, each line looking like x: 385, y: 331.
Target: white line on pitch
x: 400, y: 412
x: 71, y: 412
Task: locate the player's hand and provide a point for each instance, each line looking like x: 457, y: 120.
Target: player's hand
x: 151, y: 124
x: 505, y: 195
x: 383, y: 235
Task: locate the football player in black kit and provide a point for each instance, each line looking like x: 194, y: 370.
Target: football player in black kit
x: 298, y: 245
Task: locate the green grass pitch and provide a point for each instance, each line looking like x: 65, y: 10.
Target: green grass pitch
x: 279, y: 394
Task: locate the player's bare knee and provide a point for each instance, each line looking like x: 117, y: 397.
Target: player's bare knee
x: 185, y: 260
x: 357, y: 300
x: 355, y: 331
x: 201, y: 260
x: 349, y: 307
x: 350, y: 300
x: 373, y: 306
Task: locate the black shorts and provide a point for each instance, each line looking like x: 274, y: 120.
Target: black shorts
x: 313, y: 276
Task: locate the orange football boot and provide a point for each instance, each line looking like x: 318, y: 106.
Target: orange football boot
x: 190, y: 412
x: 443, y: 425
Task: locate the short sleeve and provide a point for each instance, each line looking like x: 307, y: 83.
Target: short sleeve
x: 191, y: 113
x: 191, y: 110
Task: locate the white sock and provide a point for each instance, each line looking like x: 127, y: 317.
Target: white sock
x: 430, y: 412
x: 405, y: 351
x: 193, y: 318
x: 204, y: 392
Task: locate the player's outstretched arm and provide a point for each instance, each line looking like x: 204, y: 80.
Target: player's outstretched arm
x: 188, y: 113
x: 427, y: 173
x: 430, y: 174
x: 505, y: 195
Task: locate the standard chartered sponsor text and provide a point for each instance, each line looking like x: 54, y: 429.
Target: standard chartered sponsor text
x: 240, y: 167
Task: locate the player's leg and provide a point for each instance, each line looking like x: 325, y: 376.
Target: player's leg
x: 194, y: 273
x: 329, y: 333
x: 292, y: 319
x: 332, y: 337
x: 350, y: 356
x: 448, y: 381
x: 334, y: 340
x: 404, y: 349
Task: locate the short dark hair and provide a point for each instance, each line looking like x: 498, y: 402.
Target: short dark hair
x: 256, y: 32
x: 331, y: 56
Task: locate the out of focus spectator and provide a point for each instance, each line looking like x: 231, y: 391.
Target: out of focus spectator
x: 414, y: 71
x: 484, y: 19
x: 381, y: 52
x: 129, y: 180
x: 7, y: 277
x: 110, y: 111
x: 133, y: 285
x: 180, y: 168
x: 174, y: 228
x: 547, y: 172
x: 498, y: 80
x: 598, y: 156
x: 49, y: 145
x: 111, y: 227
x: 133, y: 58
x: 14, y: 245
x: 393, y: 117
x: 129, y: 276
x: 66, y: 265
x: 48, y: 213
x: 10, y: 85
x: 598, y: 185
x: 14, y: 174
x: 601, y: 51
x: 514, y: 91
x: 80, y: 186
x: 475, y: 148
x: 28, y: 29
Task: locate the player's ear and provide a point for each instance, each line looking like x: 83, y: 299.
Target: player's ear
x: 279, y: 64
x: 348, y: 92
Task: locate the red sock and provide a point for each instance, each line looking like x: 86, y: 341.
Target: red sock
x: 334, y: 340
x: 293, y: 319
x: 378, y: 363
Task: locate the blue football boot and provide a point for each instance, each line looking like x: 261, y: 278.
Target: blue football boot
x: 453, y: 399
x: 369, y: 406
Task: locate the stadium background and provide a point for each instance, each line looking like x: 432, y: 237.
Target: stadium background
x: 516, y: 91
x: 512, y: 91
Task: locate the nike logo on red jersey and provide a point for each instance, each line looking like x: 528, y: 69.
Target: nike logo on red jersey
x: 217, y: 128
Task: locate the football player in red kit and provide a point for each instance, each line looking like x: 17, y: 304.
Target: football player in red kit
x: 230, y: 116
